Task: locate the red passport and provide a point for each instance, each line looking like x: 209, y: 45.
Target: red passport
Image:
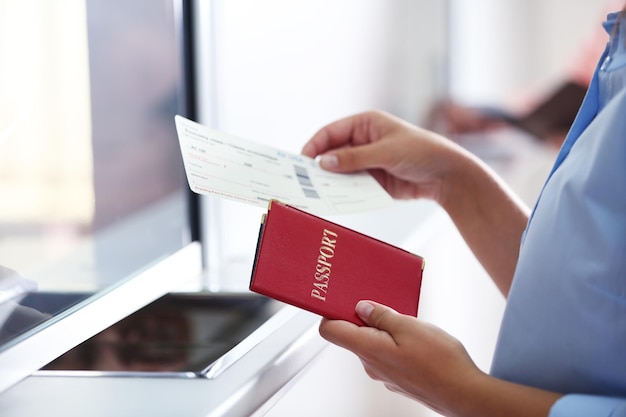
x: 325, y: 268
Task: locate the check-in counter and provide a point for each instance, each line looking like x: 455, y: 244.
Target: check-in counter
x: 210, y: 355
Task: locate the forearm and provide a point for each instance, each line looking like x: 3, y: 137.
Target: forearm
x: 487, y: 396
x: 488, y: 215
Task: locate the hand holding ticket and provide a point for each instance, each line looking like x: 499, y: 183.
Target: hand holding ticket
x: 241, y: 170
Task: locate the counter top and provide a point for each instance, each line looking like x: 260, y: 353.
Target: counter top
x: 275, y: 354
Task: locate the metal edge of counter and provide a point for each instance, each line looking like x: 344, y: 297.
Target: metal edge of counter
x: 27, y: 356
x: 254, y: 382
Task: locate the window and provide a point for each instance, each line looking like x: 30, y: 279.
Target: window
x: 92, y: 187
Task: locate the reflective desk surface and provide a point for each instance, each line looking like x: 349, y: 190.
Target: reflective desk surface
x: 213, y: 355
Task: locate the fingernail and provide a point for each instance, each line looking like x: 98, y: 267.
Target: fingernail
x: 329, y: 161
x: 364, y: 309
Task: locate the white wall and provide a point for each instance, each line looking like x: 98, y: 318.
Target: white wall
x: 276, y: 71
x: 285, y: 68
x: 501, y: 48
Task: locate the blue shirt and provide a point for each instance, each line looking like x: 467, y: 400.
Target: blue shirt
x: 564, y: 327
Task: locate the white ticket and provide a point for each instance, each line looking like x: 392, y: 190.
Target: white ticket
x: 238, y: 169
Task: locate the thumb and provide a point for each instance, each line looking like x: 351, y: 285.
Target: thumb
x: 378, y: 316
x: 351, y: 159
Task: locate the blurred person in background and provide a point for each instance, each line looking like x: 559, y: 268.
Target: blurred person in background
x: 546, y: 115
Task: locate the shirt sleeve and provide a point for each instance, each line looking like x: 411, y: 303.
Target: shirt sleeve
x: 578, y: 405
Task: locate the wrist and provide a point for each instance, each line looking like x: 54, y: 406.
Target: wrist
x: 461, y: 177
x: 484, y: 396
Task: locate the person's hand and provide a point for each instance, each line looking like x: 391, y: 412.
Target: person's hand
x: 408, y: 355
x: 409, y: 162
x: 421, y: 361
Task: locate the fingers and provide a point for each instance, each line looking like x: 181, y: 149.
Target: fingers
x: 377, y: 336
x: 343, y: 334
x: 354, y: 130
x: 332, y: 136
x: 338, y: 331
x: 352, y: 159
x: 359, y: 339
x: 380, y: 317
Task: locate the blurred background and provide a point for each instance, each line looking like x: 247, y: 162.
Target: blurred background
x: 487, y: 73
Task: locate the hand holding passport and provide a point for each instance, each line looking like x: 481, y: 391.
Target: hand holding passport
x: 302, y: 259
x: 325, y: 268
